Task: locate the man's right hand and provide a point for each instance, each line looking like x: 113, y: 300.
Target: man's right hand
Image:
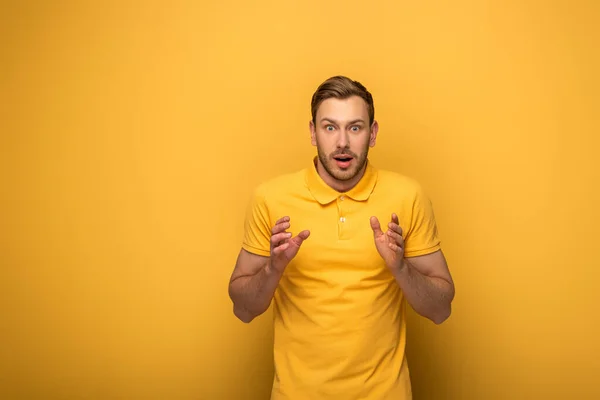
x: 284, y: 247
x: 255, y: 278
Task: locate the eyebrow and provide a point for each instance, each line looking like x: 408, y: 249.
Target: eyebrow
x: 354, y: 121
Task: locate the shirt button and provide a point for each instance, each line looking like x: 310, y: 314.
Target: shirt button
x: 342, y: 198
x: 342, y: 219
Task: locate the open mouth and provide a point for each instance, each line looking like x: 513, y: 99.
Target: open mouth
x: 343, y: 161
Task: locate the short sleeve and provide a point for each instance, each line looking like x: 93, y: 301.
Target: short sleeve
x: 257, y: 226
x: 422, y: 236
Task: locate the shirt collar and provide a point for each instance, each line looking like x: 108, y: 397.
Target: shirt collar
x: 325, y: 194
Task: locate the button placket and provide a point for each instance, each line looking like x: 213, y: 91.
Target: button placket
x: 341, y: 205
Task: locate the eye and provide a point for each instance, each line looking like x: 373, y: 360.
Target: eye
x: 355, y: 128
x: 329, y: 127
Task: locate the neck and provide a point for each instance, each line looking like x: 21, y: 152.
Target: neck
x: 336, y: 184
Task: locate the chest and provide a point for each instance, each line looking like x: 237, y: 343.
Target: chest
x: 340, y: 251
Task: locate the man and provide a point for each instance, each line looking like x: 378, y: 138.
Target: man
x: 339, y: 247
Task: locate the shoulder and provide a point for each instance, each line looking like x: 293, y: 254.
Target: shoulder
x: 396, y: 182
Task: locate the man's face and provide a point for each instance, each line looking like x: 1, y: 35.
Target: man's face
x: 343, y: 136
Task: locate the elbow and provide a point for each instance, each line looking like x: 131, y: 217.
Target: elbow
x: 240, y: 312
x: 240, y: 309
x: 442, y: 316
x: 446, y: 310
x: 440, y: 319
x: 244, y: 315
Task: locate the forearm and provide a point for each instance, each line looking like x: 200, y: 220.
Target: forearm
x: 252, y: 294
x: 431, y: 297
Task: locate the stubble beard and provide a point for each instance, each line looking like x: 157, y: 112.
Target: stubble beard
x: 343, y: 175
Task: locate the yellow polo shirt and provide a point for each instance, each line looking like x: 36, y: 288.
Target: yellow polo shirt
x: 339, y: 318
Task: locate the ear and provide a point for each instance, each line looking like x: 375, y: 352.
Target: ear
x: 313, y: 133
x: 374, y: 130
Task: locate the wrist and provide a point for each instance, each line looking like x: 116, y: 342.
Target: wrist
x: 273, y: 270
x: 399, y: 268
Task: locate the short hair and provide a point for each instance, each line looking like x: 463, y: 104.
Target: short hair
x: 341, y: 87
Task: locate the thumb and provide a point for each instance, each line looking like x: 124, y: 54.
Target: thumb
x: 376, y: 227
x: 301, y: 237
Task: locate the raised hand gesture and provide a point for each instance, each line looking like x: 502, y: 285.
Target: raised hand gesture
x: 390, y: 244
x: 284, y: 247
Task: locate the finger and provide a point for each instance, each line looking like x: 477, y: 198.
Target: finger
x: 281, y: 248
x: 300, y: 238
x: 395, y: 219
x: 280, y: 227
x: 395, y: 227
x: 395, y: 247
x: 396, y: 237
x: 376, y: 226
x: 280, y: 237
x: 282, y: 219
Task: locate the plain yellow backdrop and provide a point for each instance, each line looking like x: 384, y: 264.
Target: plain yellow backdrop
x: 133, y: 132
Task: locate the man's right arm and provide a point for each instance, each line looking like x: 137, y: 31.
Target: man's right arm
x: 255, y: 277
x: 252, y: 285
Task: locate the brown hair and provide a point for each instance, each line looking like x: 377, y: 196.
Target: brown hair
x: 341, y: 87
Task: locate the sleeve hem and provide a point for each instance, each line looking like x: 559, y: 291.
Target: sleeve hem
x: 422, y: 252
x: 256, y: 250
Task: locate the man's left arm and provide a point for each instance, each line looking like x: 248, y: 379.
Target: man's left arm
x: 414, y: 256
x: 427, y: 285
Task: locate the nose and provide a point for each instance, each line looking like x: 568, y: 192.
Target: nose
x: 342, y: 139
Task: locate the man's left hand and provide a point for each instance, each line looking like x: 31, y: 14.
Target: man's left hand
x: 390, y: 244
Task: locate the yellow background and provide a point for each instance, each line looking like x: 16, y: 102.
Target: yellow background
x: 132, y: 134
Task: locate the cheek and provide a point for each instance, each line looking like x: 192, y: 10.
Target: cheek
x: 361, y: 144
x: 325, y: 141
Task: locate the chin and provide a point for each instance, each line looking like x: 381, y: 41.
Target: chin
x: 344, y: 174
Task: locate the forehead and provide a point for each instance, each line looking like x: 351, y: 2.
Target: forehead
x: 348, y: 109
